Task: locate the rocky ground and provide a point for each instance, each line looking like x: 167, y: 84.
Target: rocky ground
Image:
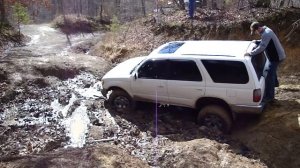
x: 52, y: 115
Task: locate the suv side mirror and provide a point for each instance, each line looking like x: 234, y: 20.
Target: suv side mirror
x: 135, y: 76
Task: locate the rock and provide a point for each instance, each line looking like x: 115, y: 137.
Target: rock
x: 37, y: 115
x: 135, y: 132
x: 52, y: 145
x: 96, y: 133
x: 95, y: 122
x: 64, y: 100
x: 9, y: 95
x: 87, y: 84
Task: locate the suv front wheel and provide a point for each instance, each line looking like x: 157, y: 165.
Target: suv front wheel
x: 215, y: 117
x: 120, y: 101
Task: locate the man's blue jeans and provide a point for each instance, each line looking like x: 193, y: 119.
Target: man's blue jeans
x: 271, y: 81
x: 192, y: 6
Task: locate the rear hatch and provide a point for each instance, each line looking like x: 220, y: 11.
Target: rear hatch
x: 260, y: 64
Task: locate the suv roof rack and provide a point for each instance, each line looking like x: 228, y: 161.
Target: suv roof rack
x: 210, y: 55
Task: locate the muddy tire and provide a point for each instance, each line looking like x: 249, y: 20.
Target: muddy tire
x: 215, y: 117
x: 120, y: 101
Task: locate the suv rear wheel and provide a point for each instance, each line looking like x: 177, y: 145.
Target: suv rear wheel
x: 215, y: 117
x: 120, y: 101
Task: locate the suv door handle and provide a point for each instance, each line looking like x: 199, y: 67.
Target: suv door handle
x: 199, y: 89
x: 160, y: 86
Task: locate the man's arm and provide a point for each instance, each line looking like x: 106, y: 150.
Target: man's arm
x: 262, y: 45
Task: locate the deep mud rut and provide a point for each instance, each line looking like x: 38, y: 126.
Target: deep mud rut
x: 51, y: 108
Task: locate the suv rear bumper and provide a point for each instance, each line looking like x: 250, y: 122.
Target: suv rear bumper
x: 248, y: 109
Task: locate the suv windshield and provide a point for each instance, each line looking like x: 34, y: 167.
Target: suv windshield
x: 133, y: 69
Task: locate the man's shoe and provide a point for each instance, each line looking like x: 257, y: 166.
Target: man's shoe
x: 267, y: 100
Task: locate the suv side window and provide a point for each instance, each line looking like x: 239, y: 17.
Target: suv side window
x: 227, y: 71
x: 185, y: 70
x: 153, y: 69
x: 258, y: 62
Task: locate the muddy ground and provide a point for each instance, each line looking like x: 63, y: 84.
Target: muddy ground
x: 52, y: 115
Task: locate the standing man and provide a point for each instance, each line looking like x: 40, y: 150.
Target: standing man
x: 192, y: 7
x: 270, y: 43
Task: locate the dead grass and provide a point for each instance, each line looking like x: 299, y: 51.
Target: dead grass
x: 292, y: 62
x: 71, y: 24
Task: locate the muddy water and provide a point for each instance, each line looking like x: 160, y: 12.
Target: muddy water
x: 45, y: 40
x: 72, y: 120
x: 67, y: 113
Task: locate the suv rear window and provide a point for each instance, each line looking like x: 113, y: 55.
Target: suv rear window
x: 227, y: 71
x: 258, y: 62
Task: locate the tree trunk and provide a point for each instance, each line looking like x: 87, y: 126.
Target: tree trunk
x: 101, y: 10
x: 90, y: 8
x: 181, y: 4
x: 60, y: 7
x: 80, y: 7
x: 117, y: 7
x: 2, y: 11
x: 143, y: 7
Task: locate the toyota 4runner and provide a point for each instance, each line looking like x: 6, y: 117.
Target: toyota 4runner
x: 213, y: 77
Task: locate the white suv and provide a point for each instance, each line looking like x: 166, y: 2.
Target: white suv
x: 213, y: 77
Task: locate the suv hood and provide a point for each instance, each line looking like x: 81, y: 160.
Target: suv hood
x: 123, y: 69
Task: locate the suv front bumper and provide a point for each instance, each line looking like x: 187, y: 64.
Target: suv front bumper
x: 248, y: 109
x: 103, y: 92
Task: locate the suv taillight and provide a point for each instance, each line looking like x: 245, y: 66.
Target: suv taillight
x: 256, y: 95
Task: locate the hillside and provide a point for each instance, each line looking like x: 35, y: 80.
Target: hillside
x: 140, y: 37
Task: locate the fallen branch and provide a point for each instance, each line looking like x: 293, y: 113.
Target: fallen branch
x: 102, y: 140
x: 294, y: 26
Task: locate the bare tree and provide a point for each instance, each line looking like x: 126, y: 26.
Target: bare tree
x: 60, y: 7
x: 2, y: 11
x: 143, y: 7
x: 117, y: 6
x: 101, y: 10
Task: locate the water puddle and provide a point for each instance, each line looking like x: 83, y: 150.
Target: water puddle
x: 77, y: 127
x: 46, y: 40
x: 84, y: 89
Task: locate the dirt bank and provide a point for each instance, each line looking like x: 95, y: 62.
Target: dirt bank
x: 96, y: 156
